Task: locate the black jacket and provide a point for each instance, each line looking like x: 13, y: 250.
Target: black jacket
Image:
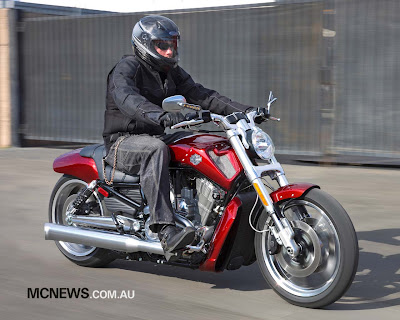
x: 135, y: 93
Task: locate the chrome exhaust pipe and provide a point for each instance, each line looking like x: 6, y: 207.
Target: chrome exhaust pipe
x: 100, y: 239
x: 129, y: 224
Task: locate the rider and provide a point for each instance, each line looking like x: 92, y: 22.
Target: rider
x: 135, y: 121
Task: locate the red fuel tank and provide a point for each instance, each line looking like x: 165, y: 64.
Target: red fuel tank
x: 209, y: 154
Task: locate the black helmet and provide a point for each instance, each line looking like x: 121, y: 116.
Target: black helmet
x: 152, y: 33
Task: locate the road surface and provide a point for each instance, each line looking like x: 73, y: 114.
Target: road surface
x: 371, y: 196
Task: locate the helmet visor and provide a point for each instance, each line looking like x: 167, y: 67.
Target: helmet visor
x: 166, y: 48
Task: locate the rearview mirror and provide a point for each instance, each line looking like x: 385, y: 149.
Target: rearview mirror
x: 174, y: 103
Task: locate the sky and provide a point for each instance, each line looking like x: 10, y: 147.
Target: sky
x: 148, y: 5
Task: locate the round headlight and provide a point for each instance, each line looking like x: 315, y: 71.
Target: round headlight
x: 262, y: 144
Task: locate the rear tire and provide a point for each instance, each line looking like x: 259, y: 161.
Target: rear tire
x: 64, y: 193
x: 329, y: 258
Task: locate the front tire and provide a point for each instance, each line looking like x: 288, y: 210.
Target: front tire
x: 328, y: 261
x: 63, y: 194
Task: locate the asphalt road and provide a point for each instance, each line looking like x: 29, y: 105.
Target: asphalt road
x: 163, y: 292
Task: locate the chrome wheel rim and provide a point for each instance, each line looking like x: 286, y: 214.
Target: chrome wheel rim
x: 62, y: 199
x: 314, y: 270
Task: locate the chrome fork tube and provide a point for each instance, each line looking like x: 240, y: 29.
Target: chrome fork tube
x: 281, y: 179
x: 285, y: 232
x: 280, y: 176
x: 251, y: 174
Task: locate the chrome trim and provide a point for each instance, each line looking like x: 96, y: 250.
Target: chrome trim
x: 241, y: 127
x: 205, y: 234
x: 273, y: 166
x: 271, y: 100
x: 100, y: 239
x: 173, y: 103
x: 129, y: 224
x: 254, y: 173
x: 187, y: 123
x: 281, y: 179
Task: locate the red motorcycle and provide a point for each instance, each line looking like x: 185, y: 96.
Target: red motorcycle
x: 302, y: 238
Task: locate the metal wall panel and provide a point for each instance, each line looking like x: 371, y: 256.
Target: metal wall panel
x: 241, y: 52
x: 368, y: 72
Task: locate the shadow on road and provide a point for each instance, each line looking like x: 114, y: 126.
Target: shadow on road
x: 377, y: 283
x: 244, y: 279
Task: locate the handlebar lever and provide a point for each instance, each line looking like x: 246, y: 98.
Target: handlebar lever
x: 187, y: 123
x: 274, y: 119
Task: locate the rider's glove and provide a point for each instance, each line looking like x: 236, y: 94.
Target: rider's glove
x: 171, y: 118
x: 205, y: 115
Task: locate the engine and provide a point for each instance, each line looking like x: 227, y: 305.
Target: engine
x: 201, y: 201
x: 195, y: 198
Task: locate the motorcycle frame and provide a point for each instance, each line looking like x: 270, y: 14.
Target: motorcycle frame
x: 108, y: 191
x: 84, y: 168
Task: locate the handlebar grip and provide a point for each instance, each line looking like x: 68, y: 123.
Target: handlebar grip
x: 191, y: 116
x: 205, y: 115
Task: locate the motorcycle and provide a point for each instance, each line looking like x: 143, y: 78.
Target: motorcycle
x: 302, y: 239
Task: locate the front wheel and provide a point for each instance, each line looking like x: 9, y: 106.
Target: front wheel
x: 328, y: 260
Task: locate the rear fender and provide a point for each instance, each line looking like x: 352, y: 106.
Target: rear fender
x: 73, y: 164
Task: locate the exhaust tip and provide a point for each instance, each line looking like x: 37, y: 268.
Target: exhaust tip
x: 46, y: 231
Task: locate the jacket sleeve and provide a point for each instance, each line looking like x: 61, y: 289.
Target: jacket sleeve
x: 208, y: 99
x: 127, y: 95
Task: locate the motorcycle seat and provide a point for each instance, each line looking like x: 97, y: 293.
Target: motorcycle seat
x: 97, y: 152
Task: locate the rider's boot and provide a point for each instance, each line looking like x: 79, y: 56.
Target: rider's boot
x: 173, y: 238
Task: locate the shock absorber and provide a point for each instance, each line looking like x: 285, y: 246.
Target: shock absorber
x: 84, y: 195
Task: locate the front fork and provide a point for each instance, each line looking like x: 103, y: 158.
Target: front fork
x: 282, y: 229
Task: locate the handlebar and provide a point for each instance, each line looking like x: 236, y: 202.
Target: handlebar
x: 221, y: 119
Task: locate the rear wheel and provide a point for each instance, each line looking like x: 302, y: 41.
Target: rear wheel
x: 327, y: 263
x: 64, y: 193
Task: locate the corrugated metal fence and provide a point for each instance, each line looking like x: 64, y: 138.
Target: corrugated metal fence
x: 242, y: 53
x: 368, y: 75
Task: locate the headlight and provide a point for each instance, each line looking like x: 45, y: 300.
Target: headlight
x: 262, y: 144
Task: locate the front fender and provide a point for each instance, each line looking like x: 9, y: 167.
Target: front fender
x: 291, y: 191
x: 73, y: 164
